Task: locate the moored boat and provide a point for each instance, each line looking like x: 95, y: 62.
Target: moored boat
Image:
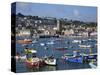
x: 61, y: 48
x: 42, y: 44
x: 29, y: 51
x: 50, y: 43
x: 85, y: 46
x: 75, y: 57
x: 79, y: 57
x: 50, y: 61
x: 34, y: 62
x: 76, y: 41
x: 25, y: 41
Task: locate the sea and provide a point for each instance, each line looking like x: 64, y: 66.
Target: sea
x: 52, y: 43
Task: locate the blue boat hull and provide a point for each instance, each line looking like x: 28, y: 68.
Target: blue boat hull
x: 75, y: 59
x: 81, y: 59
x: 90, y: 57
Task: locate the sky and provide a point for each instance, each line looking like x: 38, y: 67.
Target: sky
x: 81, y: 13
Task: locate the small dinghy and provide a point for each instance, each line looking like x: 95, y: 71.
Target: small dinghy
x: 76, y: 41
x: 61, y: 48
x: 42, y: 44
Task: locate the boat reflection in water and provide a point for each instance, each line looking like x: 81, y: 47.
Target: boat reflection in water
x: 44, y: 68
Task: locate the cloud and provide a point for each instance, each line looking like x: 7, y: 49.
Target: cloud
x: 76, y: 13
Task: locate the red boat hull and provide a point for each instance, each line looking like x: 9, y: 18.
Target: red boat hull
x: 24, y: 41
x: 34, y: 64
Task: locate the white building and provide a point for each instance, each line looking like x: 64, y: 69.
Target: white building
x: 69, y: 32
x: 46, y: 32
x: 25, y: 32
x: 85, y: 34
x: 93, y: 34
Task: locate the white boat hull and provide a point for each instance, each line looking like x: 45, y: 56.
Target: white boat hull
x: 51, y: 62
x: 85, y: 46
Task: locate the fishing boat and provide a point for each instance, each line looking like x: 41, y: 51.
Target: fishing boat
x: 50, y: 61
x: 91, y: 40
x: 84, y: 40
x: 76, y: 41
x: 61, y: 48
x: 75, y: 57
x: 85, y: 46
x: 90, y: 56
x: 25, y: 41
x: 34, y: 62
x: 29, y: 51
x: 20, y: 57
x: 79, y: 57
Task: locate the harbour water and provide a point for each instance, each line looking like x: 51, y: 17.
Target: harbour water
x: 52, y: 44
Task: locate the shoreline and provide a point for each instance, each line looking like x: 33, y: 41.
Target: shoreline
x: 60, y: 36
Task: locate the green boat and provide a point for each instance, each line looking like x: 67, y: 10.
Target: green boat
x: 30, y: 51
